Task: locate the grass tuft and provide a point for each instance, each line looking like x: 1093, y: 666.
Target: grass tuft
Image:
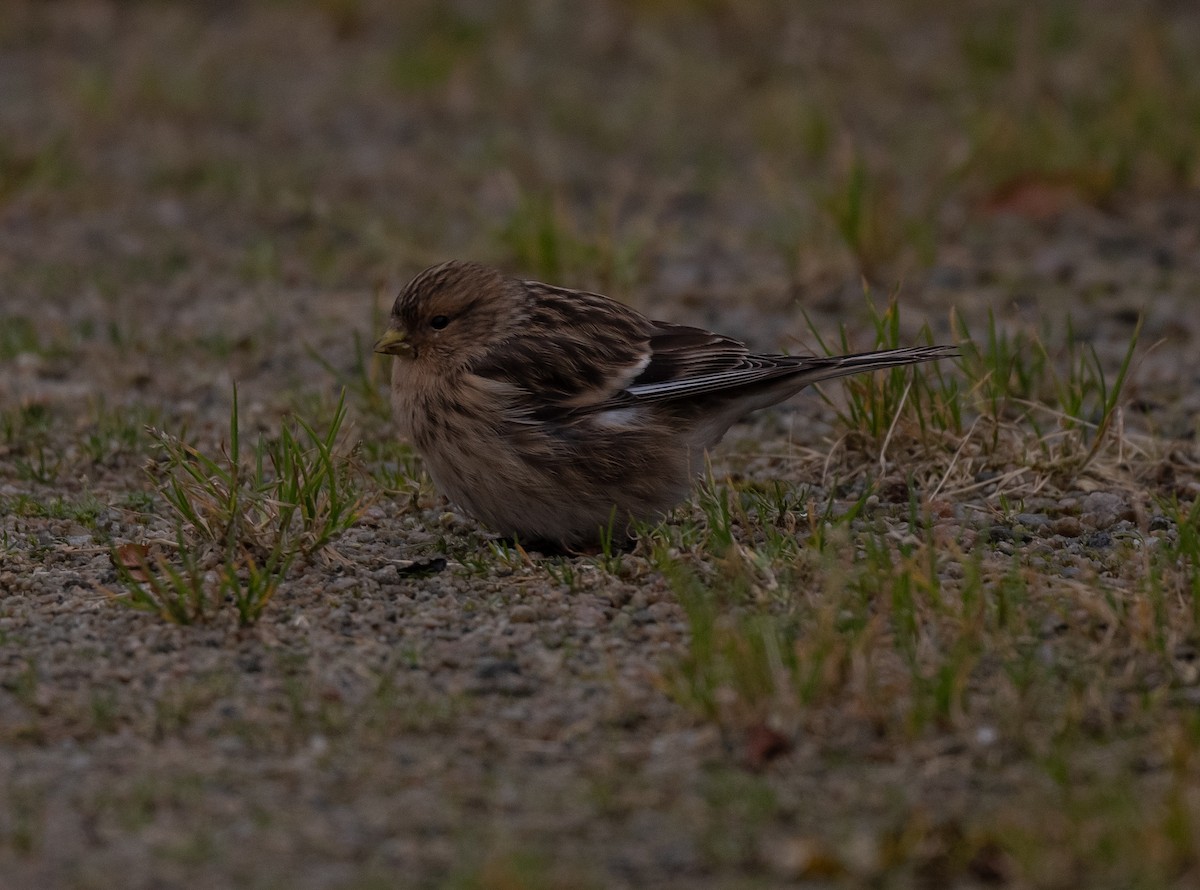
x: 241, y: 525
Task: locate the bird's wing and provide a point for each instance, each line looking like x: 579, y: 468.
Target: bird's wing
x: 687, y: 361
x: 569, y: 365
x: 581, y: 353
x: 575, y: 352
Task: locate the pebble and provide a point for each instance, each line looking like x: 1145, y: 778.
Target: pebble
x: 1067, y: 526
x: 588, y: 616
x: 663, y: 612
x: 522, y: 614
x: 1032, y: 520
x: 1102, y: 509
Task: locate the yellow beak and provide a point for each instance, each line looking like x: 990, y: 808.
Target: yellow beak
x: 393, y: 342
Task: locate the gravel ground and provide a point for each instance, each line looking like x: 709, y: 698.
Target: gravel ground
x: 192, y: 197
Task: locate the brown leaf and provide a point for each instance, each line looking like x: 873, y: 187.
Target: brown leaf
x: 803, y: 857
x: 764, y: 744
x: 134, y: 559
x: 991, y: 864
x: 1042, y: 197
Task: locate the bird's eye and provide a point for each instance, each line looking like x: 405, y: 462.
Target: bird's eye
x: 438, y: 322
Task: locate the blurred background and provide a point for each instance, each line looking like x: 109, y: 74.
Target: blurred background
x: 237, y: 186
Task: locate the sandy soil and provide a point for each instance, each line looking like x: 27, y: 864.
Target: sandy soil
x: 193, y: 196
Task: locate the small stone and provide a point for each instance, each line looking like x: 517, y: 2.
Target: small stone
x: 491, y: 668
x: 642, y: 616
x: 522, y: 614
x: 588, y: 616
x: 1102, y: 509
x: 1067, y: 526
x: 663, y: 611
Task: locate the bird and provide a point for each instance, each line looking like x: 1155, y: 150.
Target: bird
x: 553, y: 415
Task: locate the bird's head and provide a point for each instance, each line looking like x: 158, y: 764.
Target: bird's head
x: 452, y: 314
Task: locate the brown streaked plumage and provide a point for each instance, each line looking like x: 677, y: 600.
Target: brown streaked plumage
x: 544, y: 412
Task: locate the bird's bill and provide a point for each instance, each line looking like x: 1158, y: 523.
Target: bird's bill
x: 393, y: 342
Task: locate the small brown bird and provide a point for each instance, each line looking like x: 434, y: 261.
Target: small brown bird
x: 546, y: 413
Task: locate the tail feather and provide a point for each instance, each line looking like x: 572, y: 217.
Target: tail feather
x: 783, y: 373
x: 814, y: 370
